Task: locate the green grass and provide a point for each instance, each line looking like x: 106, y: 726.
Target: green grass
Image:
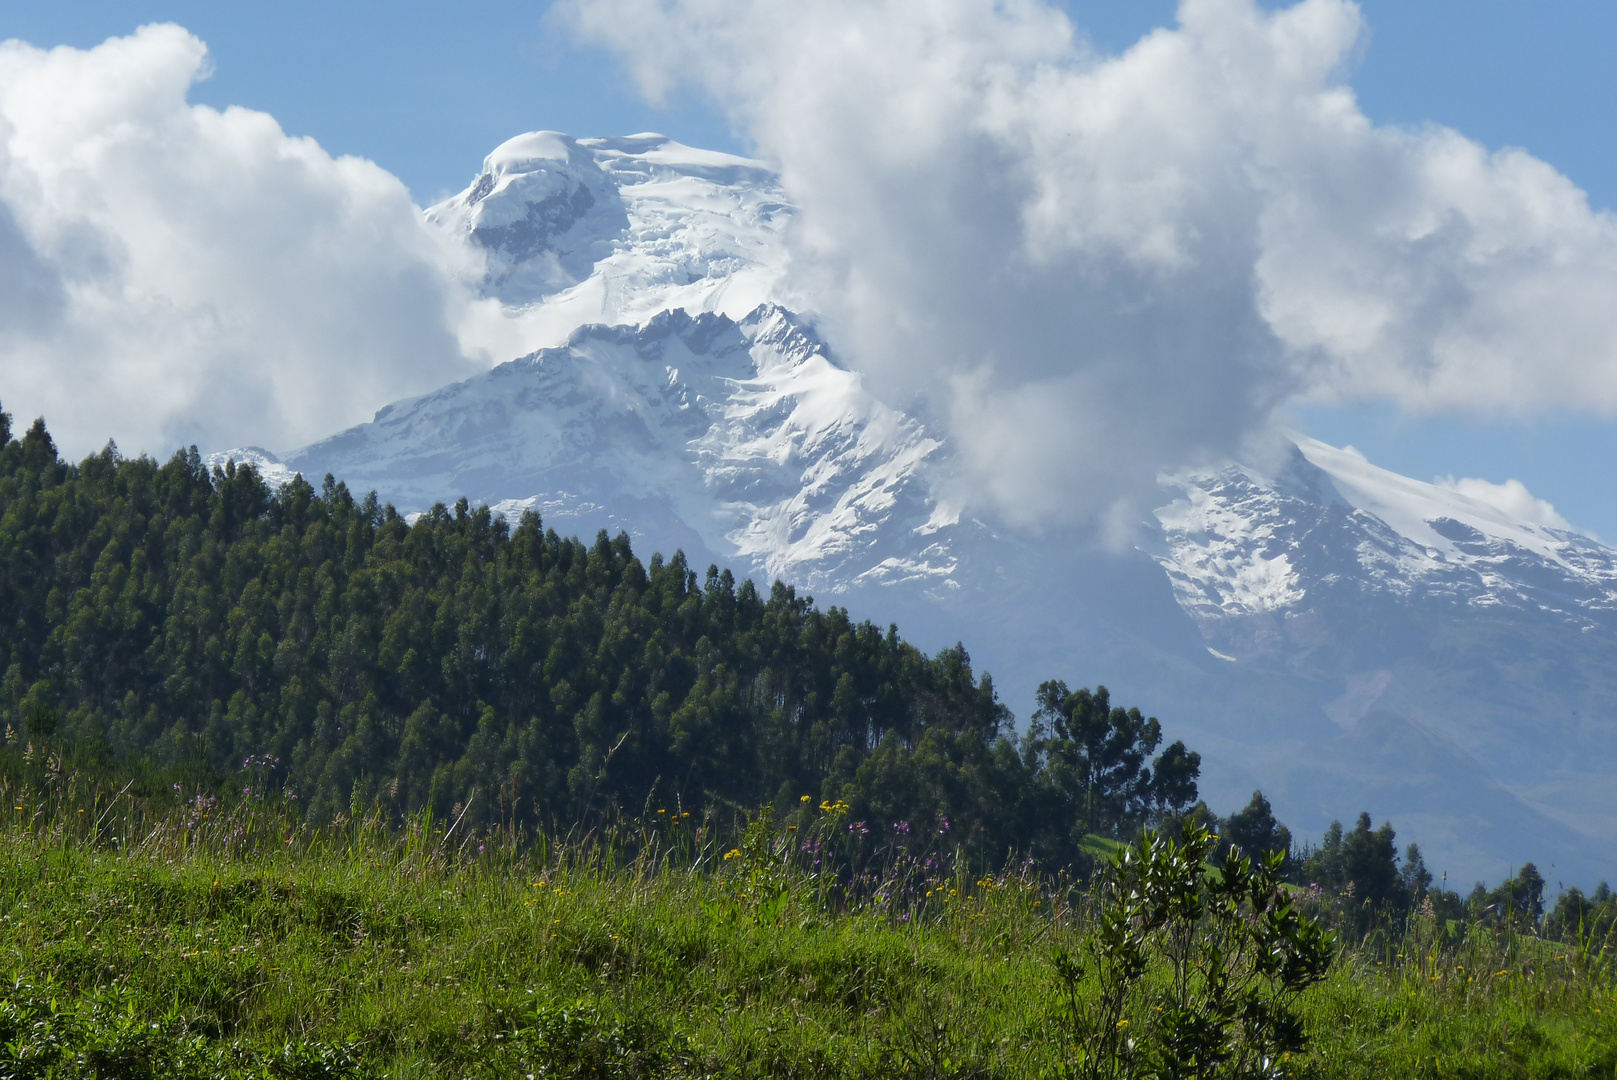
x: 189, y: 941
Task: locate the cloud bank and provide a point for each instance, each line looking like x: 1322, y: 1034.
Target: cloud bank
x: 1099, y: 267
x: 170, y: 273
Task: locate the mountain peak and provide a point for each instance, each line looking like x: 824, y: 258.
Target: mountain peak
x: 576, y: 232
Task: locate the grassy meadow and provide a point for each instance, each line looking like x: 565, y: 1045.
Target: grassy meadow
x: 185, y: 937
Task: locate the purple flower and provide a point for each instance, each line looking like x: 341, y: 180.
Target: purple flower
x: 902, y: 827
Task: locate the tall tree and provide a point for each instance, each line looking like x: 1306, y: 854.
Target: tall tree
x: 1254, y: 831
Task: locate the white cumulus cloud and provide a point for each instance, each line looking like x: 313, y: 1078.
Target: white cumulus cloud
x: 1096, y: 268
x: 171, y: 273
x: 1510, y: 498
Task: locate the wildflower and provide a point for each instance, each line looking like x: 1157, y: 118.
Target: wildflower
x: 901, y: 827
x: 806, y: 798
x: 733, y: 853
x: 662, y: 811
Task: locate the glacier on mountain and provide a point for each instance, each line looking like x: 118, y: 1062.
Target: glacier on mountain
x: 1341, y: 636
x: 1233, y: 535
x: 577, y: 232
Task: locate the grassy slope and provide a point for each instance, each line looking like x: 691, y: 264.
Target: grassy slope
x: 257, y: 946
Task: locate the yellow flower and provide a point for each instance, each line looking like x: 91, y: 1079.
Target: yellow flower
x: 804, y: 799
x: 662, y: 811
x: 733, y: 853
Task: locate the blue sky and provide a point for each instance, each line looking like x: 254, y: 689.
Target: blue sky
x: 426, y: 91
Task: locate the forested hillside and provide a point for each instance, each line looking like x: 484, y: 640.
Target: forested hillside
x: 321, y: 648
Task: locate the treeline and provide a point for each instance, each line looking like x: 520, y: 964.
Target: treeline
x: 320, y: 647
x: 1359, y: 873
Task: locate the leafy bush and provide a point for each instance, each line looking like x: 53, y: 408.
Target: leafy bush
x: 1196, y: 971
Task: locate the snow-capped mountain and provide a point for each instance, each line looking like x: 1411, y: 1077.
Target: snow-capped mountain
x: 1465, y: 657
x: 741, y: 442
x: 578, y: 232
x: 1240, y: 543
x: 1343, y: 637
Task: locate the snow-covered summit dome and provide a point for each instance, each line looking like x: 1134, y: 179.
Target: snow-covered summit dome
x: 611, y: 231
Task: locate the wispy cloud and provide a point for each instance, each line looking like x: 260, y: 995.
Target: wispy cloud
x: 1510, y: 498
x: 1099, y: 267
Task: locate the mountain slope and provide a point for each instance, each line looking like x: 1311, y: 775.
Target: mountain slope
x: 1341, y: 636
x: 741, y: 442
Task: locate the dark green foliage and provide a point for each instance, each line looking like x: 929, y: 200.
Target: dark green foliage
x: 1518, y: 900
x: 1255, y: 832
x: 1095, y: 756
x: 1361, y: 866
x: 1581, y: 918
x: 1196, y: 973
x: 1413, y: 875
x: 319, y: 648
